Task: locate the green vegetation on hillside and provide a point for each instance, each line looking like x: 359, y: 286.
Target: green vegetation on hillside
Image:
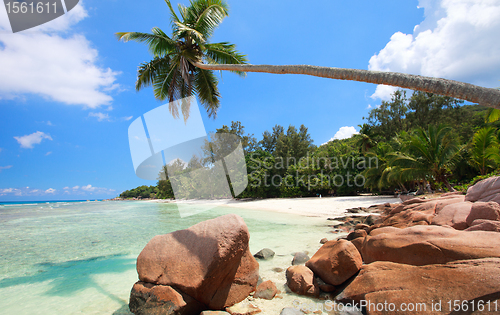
x: 418, y: 143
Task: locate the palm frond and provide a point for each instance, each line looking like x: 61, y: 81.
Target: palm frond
x: 492, y: 115
x: 205, y: 83
x: 182, y: 29
x: 211, y: 15
x: 159, y: 43
x: 173, y: 15
x: 224, y: 53
x: 148, y: 71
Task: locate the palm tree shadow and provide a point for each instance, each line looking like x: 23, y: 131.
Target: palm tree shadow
x: 69, y: 277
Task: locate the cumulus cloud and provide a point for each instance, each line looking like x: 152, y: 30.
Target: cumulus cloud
x: 343, y: 133
x: 49, y: 61
x: 100, y: 116
x: 76, y: 190
x: 5, y: 167
x: 80, y: 190
x: 458, y: 39
x: 28, y: 141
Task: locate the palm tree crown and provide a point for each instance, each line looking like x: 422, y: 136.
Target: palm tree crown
x: 172, y: 72
x: 430, y: 153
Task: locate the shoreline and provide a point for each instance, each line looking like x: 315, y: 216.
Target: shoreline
x: 324, y: 207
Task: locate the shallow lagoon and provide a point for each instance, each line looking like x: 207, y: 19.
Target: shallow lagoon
x: 79, y: 258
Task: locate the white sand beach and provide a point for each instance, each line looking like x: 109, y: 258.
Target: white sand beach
x: 313, y: 206
x: 326, y: 207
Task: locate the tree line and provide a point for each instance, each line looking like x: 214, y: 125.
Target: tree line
x: 417, y: 143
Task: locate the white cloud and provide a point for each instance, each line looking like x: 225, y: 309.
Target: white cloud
x: 343, y: 133
x: 81, y: 191
x: 127, y: 118
x: 48, y: 153
x: 28, y: 141
x: 5, y: 167
x: 100, y: 116
x: 384, y: 92
x: 48, y: 61
x: 458, y: 40
x: 88, y: 188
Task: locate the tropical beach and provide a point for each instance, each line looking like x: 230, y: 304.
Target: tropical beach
x: 80, y: 257
x: 222, y: 157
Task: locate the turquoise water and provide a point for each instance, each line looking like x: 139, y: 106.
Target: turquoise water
x: 79, y: 257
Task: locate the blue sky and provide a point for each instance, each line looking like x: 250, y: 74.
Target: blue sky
x: 67, y: 91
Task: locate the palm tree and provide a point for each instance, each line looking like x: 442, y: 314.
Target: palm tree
x: 465, y: 91
x: 429, y: 155
x: 172, y: 72
x: 485, y: 149
x: 365, y: 138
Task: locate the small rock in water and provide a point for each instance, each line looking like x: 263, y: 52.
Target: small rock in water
x: 266, y: 290
x: 300, y: 279
x: 356, y: 234
x: 278, y: 269
x: 291, y: 311
x: 300, y: 258
x: 323, y: 240
x: 325, y: 287
x: 361, y: 226
x: 265, y: 253
x: 335, y: 262
x: 243, y: 308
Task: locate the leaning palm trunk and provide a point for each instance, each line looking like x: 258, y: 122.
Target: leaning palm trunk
x: 464, y: 91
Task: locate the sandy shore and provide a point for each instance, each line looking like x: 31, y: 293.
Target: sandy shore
x: 312, y: 206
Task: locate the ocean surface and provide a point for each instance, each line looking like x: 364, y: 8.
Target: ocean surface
x: 79, y: 257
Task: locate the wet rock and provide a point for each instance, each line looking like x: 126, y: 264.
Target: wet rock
x: 325, y: 287
x: 387, y: 282
x: 265, y: 254
x: 356, y: 234
x: 361, y: 226
x: 266, y: 290
x: 323, y: 240
x: 300, y: 279
x: 290, y: 311
x: 209, y: 261
x: 424, y: 245
x: 243, y: 308
x: 147, y: 298
x: 335, y: 262
x: 300, y: 258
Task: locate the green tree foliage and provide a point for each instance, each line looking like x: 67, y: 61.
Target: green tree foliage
x: 406, y: 143
x: 248, y: 141
x: 485, y: 150
x: 172, y: 72
x: 141, y: 191
x: 429, y: 155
